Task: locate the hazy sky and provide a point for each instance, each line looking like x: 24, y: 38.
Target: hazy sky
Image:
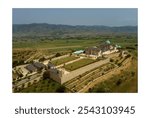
x: 108, y: 17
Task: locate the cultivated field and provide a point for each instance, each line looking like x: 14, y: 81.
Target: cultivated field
x: 124, y: 80
x: 78, y: 64
x: 64, y: 60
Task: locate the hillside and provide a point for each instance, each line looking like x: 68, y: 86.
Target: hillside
x: 52, y: 30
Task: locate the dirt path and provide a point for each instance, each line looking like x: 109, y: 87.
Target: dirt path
x: 107, y: 76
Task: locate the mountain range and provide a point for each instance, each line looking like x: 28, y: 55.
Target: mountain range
x: 43, y: 29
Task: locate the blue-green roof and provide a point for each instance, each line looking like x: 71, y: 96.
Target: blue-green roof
x: 78, y: 52
x: 118, y: 46
x: 108, y: 42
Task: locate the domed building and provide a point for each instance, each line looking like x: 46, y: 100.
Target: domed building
x: 102, y: 49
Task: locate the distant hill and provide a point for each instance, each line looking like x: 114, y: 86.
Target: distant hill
x: 52, y: 30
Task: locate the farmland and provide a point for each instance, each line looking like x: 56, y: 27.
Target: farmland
x: 52, y: 44
x: 37, y: 48
x: 78, y: 64
x: 28, y: 49
x: 64, y: 60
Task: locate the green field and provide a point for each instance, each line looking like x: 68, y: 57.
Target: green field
x: 78, y: 64
x: 39, y: 43
x: 72, y: 44
x: 64, y: 60
x: 124, y: 82
x: 52, y: 44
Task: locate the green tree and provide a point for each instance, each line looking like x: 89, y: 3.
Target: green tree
x: 46, y: 75
x: 61, y: 89
x: 57, y: 55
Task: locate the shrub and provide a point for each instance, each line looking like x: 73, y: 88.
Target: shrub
x: 128, y: 55
x: 111, y: 60
x: 118, y: 82
x: 57, y: 55
x: 132, y: 74
x: 61, y: 89
x: 119, y: 64
x: 41, y: 59
x: 29, y: 84
x: 90, y: 90
x: 46, y: 75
